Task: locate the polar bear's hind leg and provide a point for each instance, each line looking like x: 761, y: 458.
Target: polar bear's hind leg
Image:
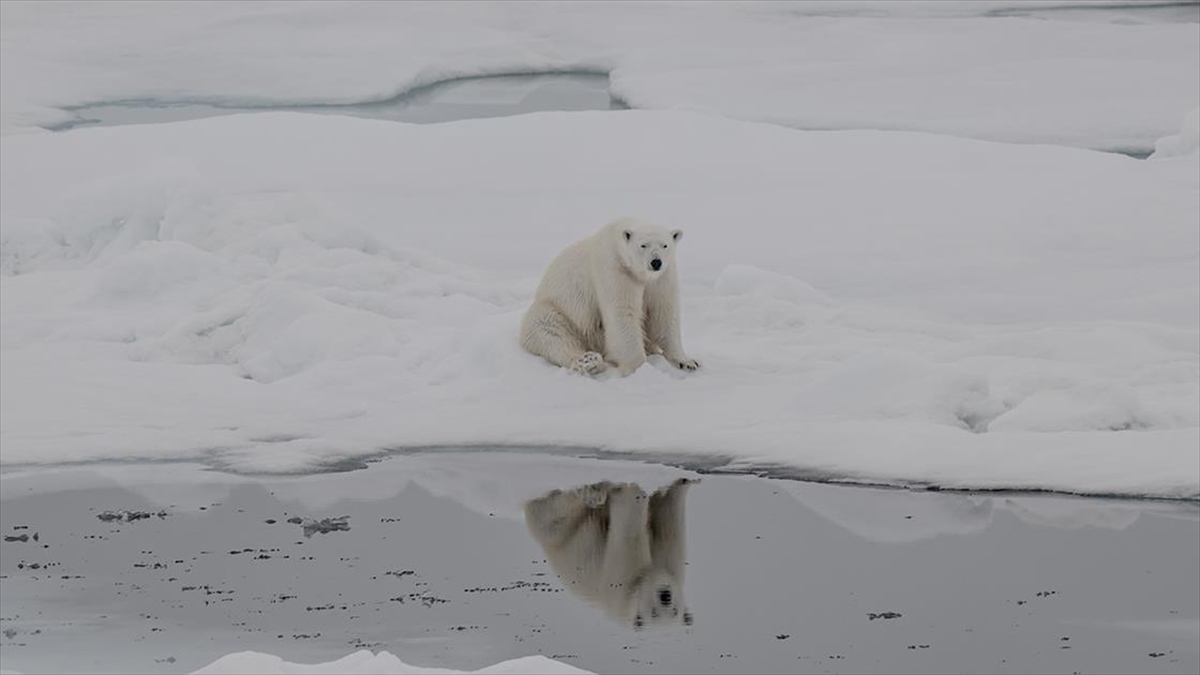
x: 545, y: 331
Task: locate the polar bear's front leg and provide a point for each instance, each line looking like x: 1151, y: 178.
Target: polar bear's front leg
x: 627, y: 550
x: 662, y: 321
x: 684, y: 362
x: 624, y: 341
x: 667, y: 528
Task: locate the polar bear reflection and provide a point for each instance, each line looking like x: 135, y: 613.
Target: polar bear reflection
x: 617, y: 547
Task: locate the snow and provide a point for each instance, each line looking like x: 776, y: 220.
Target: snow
x: 365, y: 662
x: 281, y: 291
x: 1098, y: 78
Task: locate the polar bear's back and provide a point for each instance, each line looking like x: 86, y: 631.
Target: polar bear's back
x: 568, y: 285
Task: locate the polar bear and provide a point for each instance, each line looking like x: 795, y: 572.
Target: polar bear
x: 609, y: 299
x: 618, y: 548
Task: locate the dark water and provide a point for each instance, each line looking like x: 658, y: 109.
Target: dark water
x: 493, y: 96
x: 144, y: 568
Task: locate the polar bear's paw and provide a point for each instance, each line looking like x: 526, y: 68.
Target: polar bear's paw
x: 590, y: 363
x: 595, y: 495
x: 686, y: 364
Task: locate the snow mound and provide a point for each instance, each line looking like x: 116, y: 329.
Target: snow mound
x: 365, y: 662
x: 1187, y: 141
x: 747, y: 280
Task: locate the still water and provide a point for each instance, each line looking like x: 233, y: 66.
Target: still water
x: 466, y: 98
x: 468, y: 558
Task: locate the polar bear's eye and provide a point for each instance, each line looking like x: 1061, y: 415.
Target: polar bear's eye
x: 643, y: 246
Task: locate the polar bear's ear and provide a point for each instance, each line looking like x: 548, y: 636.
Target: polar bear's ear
x: 677, y: 234
x: 628, y: 235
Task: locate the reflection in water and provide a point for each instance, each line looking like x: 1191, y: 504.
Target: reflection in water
x: 618, y: 548
x: 904, y: 516
x: 895, y: 516
x: 968, y: 572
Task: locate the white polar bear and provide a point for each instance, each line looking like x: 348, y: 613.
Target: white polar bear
x: 618, y: 548
x: 613, y: 297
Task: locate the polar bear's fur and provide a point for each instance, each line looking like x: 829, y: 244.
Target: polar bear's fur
x: 609, y: 299
x: 618, y: 548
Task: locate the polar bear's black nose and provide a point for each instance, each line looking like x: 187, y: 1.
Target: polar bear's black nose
x: 664, y: 596
x: 656, y: 264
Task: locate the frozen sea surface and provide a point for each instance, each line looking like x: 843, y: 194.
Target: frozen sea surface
x: 433, y: 561
x: 1102, y: 75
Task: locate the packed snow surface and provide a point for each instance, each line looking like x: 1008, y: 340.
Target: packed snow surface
x: 1097, y: 75
x: 279, y: 291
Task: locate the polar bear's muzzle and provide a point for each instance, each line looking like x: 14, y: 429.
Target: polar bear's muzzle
x: 656, y: 264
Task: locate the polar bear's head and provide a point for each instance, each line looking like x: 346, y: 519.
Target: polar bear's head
x: 647, y: 251
x: 659, y: 601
